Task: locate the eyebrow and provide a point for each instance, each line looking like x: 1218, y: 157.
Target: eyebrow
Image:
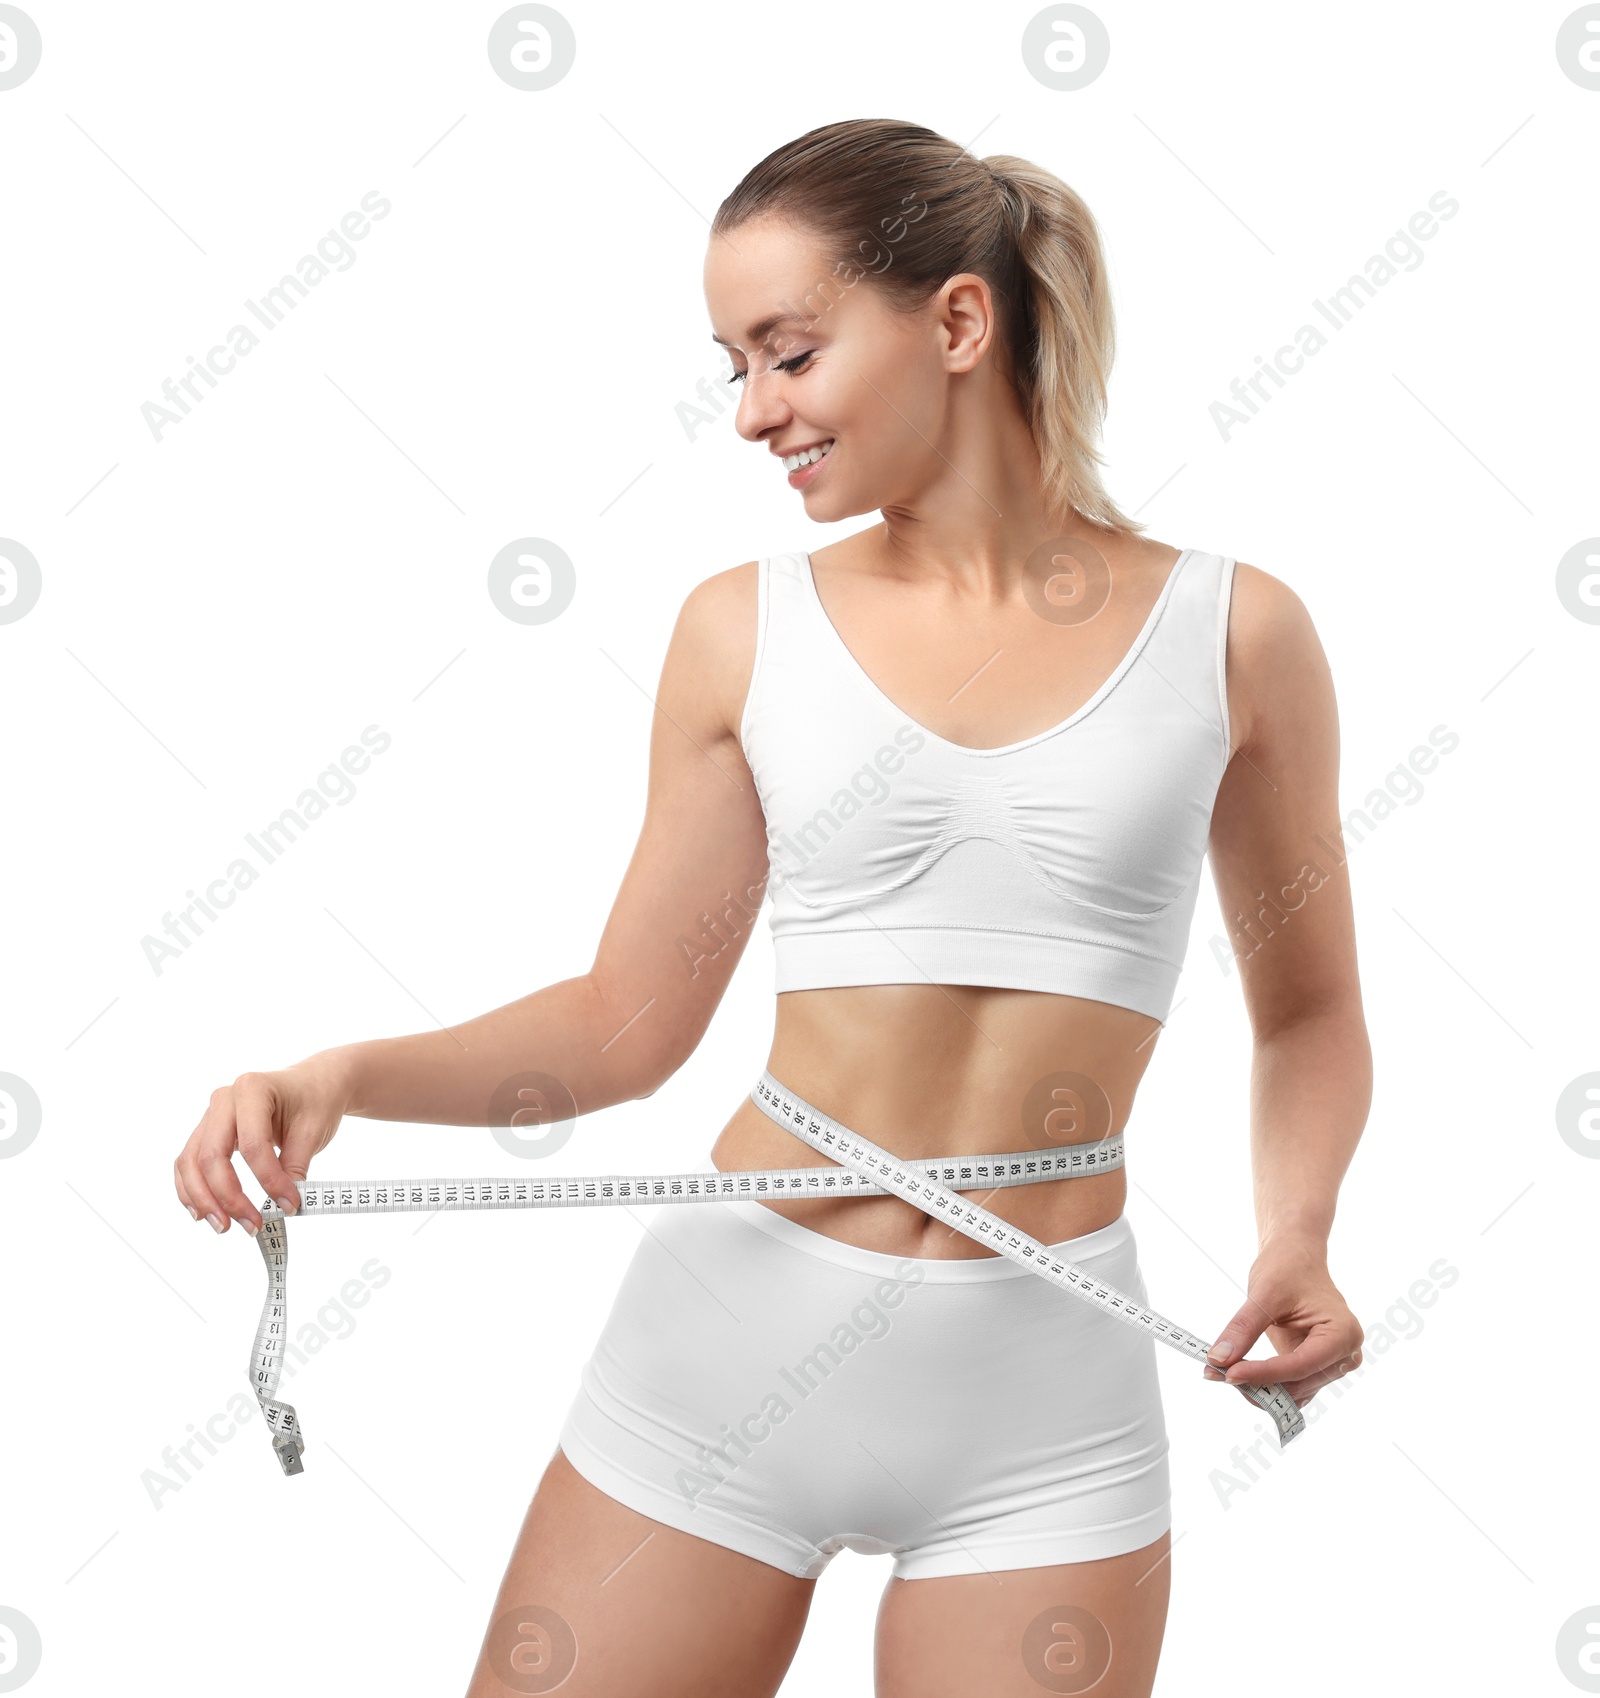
x: 760, y: 331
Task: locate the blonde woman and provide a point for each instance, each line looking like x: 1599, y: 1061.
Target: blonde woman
x: 973, y: 754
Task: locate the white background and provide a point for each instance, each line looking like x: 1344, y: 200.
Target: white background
x: 224, y: 610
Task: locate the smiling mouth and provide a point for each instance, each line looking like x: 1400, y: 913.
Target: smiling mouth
x: 807, y: 456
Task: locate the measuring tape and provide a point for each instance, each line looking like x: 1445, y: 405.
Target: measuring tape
x: 933, y: 1198
x: 427, y: 1196
x: 863, y: 1170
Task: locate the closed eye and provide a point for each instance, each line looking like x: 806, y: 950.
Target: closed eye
x: 796, y: 364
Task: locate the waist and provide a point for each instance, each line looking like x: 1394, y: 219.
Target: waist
x: 1062, y: 1123
x: 882, y: 1245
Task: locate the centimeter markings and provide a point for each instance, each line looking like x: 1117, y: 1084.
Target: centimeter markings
x: 352, y: 1197
x: 860, y: 1156
x: 330, y: 1197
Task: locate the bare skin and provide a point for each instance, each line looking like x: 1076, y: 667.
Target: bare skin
x: 928, y: 431
x: 657, y: 1610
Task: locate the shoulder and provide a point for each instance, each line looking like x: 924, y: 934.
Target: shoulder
x: 721, y: 598
x: 1275, y: 659
x: 718, y: 616
x: 712, y: 653
x: 1267, y: 622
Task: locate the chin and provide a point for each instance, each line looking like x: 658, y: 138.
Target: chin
x: 828, y: 507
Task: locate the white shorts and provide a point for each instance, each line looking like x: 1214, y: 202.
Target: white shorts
x: 786, y: 1395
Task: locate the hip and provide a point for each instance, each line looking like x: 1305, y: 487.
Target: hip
x: 710, y: 1267
x: 787, y: 1395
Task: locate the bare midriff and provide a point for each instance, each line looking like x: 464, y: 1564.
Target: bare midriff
x: 949, y: 1070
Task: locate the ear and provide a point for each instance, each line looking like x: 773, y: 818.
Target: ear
x: 967, y: 313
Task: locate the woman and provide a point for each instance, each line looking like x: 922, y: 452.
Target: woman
x: 974, y: 753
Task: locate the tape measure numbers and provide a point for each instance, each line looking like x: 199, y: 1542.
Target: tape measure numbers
x: 863, y: 1170
x: 934, y: 1198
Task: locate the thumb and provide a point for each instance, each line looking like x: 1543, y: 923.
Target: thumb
x: 300, y: 1143
x: 1233, y: 1343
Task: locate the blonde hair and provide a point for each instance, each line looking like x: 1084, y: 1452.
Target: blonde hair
x: 858, y: 185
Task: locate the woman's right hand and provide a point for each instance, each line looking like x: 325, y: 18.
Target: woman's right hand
x: 277, y: 1122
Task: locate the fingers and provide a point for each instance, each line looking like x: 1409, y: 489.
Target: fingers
x: 190, y: 1171
x: 1302, y: 1391
x: 204, y: 1174
x: 275, y: 1125
x: 185, y: 1194
x: 255, y: 1109
x: 216, y: 1167
x: 1234, y: 1341
x: 1314, y: 1359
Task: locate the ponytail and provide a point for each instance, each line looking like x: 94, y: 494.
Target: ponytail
x: 1020, y: 228
x: 1063, y: 348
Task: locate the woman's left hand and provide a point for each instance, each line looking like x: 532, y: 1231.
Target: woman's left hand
x: 1293, y: 1300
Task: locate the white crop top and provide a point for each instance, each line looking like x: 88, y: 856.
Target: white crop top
x: 1066, y: 862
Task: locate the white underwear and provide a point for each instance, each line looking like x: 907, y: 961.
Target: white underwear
x: 787, y: 1395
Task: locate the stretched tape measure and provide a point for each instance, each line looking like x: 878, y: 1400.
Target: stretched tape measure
x: 426, y: 1196
x: 934, y: 1198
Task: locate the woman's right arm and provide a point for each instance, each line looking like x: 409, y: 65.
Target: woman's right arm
x: 612, y: 1034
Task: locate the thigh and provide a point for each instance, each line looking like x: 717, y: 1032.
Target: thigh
x: 1019, y: 1632
x: 600, y: 1601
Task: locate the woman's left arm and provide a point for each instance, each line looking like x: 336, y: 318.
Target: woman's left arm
x: 1278, y: 860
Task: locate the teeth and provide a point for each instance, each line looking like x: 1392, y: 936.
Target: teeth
x: 793, y: 462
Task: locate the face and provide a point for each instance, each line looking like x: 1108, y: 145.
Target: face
x: 824, y: 364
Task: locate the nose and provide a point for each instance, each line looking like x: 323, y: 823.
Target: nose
x: 762, y: 408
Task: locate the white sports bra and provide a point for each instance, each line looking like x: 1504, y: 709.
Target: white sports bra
x: 1066, y: 862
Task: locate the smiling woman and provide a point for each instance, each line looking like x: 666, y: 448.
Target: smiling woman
x: 976, y: 752
x: 1023, y: 230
